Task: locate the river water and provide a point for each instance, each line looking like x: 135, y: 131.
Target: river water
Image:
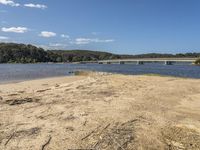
x: 22, y: 72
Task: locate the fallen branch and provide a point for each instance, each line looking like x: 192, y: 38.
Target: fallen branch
x: 43, y: 146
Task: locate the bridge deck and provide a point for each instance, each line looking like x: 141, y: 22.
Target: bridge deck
x: 150, y: 60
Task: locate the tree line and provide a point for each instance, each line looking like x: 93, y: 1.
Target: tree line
x: 22, y: 53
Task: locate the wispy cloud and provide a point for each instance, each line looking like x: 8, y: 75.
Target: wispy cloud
x: 15, y: 29
x: 52, y: 46
x: 47, y: 34
x: 57, y: 45
x: 29, y: 5
x: 81, y: 41
x: 4, y: 38
x: 40, y: 6
x: 65, y: 36
x: 9, y: 2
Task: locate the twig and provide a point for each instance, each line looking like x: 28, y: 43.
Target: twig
x: 96, y: 144
x: 90, y: 133
x: 100, y: 134
x: 9, y: 139
x: 134, y: 120
x: 104, y: 128
x: 43, y: 146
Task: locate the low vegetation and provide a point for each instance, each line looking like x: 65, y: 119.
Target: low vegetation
x: 197, y: 62
x: 21, y: 53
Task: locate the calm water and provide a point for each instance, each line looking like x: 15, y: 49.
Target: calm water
x: 21, y: 72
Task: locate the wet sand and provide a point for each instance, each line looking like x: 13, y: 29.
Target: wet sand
x: 101, y: 111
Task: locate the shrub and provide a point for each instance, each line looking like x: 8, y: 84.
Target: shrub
x: 197, y: 62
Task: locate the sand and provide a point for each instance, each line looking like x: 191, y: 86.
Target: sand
x: 101, y: 111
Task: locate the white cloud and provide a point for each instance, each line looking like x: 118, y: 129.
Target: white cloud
x: 57, y: 46
x: 15, y: 29
x: 40, y: 6
x: 65, y: 36
x: 53, y: 46
x: 14, y: 4
x: 80, y: 41
x: 47, y: 34
x: 3, y: 38
x: 9, y: 2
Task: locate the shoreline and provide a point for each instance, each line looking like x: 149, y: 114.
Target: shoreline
x: 74, y: 74
x: 35, y: 79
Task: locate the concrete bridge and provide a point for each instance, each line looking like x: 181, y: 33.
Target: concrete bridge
x: 166, y: 61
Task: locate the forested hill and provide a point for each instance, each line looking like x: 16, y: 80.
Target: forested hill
x: 21, y: 53
x: 82, y: 55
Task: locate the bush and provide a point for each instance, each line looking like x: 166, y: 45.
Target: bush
x: 197, y: 62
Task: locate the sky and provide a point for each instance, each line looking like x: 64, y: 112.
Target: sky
x: 117, y: 26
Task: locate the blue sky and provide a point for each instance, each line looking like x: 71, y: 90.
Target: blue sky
x: 119, y: 26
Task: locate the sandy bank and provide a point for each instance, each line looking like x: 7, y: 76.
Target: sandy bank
x: 101, y: 111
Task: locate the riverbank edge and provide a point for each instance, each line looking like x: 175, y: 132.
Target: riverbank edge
x: 88, y: 73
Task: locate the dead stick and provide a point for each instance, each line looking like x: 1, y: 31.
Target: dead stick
x: 105, y: 128
x: 90, y: 133
x: 101, y: 133
x: 9, y: 139
x: 43, y: 146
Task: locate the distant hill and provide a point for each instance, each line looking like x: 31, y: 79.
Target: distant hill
x: 83, y: 55
x: 21, y: 53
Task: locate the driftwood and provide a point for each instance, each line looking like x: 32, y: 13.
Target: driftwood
x: 43, y: 146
